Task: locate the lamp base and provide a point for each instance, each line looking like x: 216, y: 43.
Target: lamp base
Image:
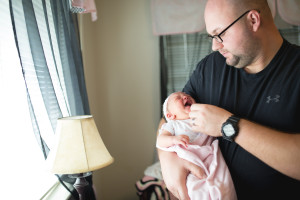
x: 81, y: 184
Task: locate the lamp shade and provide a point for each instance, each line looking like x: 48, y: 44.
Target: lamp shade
x: 78, y: 147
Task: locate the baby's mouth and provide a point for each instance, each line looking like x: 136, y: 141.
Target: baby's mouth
x: 188, y: 104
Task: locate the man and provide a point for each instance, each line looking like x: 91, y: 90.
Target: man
x: 255, y: 76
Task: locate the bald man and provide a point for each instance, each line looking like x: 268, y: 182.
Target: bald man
x: 248, y: 95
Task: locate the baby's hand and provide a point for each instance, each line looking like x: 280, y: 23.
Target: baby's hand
x: 181, y: 139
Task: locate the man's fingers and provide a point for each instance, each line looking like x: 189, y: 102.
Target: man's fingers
x: 180, y: 192
x: 197, y: 171
x: 183, y: 193
x: 174, y: 192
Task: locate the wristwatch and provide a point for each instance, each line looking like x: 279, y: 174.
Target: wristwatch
x: 230, y: 128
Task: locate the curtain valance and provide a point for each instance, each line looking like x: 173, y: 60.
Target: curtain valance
x: 178, y: 17
x: 288, y: 10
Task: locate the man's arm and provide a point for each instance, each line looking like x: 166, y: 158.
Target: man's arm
x: 174, y: 173
x: 277, y: 149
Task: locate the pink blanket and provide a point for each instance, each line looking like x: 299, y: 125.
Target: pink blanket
x: 204, y: 152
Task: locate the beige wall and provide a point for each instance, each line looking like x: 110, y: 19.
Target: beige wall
x: 121, y: 63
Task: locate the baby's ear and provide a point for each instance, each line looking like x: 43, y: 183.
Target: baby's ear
x: 170, y: 116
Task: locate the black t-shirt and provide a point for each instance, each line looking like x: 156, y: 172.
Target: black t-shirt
x: 270, y: 98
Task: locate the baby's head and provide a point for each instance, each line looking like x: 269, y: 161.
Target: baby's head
x: 177, y: 106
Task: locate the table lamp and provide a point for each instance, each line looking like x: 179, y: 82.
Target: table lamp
x: 78, y: 150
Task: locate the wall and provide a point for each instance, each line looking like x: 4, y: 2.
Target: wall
x: 121, y: 63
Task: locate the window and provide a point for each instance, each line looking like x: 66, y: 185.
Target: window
x: 41, y: 79
x: 22, y: 159
x: 181, y: 54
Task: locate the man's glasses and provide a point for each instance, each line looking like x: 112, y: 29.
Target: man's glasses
x: 218, y: 37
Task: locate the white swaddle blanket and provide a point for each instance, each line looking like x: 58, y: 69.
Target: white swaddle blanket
x: 204, y: 152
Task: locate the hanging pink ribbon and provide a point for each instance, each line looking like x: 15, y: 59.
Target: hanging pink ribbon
x: 85, y: 6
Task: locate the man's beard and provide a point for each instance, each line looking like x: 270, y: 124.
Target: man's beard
x: 240, y: 61
x: 243, y: 59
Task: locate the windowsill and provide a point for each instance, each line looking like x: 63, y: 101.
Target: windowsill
x: 58, y: 191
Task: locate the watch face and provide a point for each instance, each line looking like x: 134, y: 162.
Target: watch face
x: 228, y: 130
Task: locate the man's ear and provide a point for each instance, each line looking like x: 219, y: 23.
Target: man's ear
x: 170, y: 116
x: 254, y: 19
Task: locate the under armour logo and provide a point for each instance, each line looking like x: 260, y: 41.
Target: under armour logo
x: 275, y: 99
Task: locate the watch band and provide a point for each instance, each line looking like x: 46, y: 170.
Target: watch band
x: 234, y: 118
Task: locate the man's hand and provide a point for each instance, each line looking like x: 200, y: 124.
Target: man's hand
x: 175, y: 171
x: 208, y: 119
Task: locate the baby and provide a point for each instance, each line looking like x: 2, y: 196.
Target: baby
x: 177, y: 136
x: 178, y: 130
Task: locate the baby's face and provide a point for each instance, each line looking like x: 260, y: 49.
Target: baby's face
x: 179, y: 104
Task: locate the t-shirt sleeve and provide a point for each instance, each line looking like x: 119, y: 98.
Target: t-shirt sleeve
x: 205, y: 80
x: 192, y: 86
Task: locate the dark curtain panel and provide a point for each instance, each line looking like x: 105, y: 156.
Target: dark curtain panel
x: 69, y: 46
x: 163, y: 73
